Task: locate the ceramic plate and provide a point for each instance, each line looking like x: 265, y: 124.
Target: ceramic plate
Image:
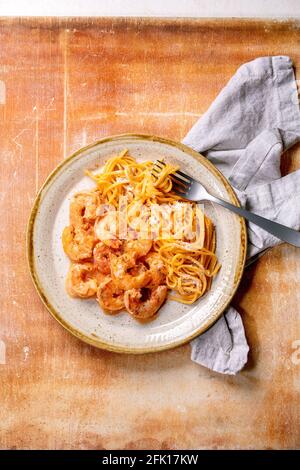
x: 176, y: 323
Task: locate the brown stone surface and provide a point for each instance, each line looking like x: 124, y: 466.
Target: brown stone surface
x: 63, y: 84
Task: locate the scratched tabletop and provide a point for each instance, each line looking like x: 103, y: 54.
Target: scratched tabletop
x: 65, y: 83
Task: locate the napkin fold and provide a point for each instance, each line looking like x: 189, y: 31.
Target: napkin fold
x: 253, y: 120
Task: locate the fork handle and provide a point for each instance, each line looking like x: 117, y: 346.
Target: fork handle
x: 280, y: 231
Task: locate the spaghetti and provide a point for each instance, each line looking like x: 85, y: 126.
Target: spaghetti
x: 190, y: 262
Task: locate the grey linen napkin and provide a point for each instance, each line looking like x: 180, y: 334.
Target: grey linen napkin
x: 250, y: 124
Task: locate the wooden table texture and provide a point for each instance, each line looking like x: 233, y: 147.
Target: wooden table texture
x: 65, y: 83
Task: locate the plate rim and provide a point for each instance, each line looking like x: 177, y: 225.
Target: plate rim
x: 93, y: 339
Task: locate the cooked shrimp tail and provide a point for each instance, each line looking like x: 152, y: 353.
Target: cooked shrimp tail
x: 83, y: 208
x: 78, y: 242
x: 157, y: 269
x: 110, y: 297
x: 81, y: 281
x: 144, y: 303
x: 127, y: 274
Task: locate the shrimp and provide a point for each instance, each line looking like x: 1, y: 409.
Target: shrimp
x: 114, y: 244
x: 127, y: 274
x: 144, y: 303
x: 80, y: 280
x: 102, y: 253
x: 78, y: 242
x: 121, y: 264
x: 157, y: 269
x: 106, y: 228
x: 110, y: 296
x: 83, y: 208
x: 138, y: 248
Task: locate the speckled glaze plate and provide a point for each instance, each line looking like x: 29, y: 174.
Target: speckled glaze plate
x: 176, y: 323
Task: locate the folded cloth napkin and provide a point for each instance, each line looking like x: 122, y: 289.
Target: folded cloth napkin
x: 250, y: 124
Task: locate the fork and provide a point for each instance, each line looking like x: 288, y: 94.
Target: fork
x: 188, y: 188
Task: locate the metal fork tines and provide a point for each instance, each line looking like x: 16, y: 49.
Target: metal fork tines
x: 188, y: 188
x: 181, y: 182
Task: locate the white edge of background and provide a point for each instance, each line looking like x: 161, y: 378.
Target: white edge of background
x: 154, y: 8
